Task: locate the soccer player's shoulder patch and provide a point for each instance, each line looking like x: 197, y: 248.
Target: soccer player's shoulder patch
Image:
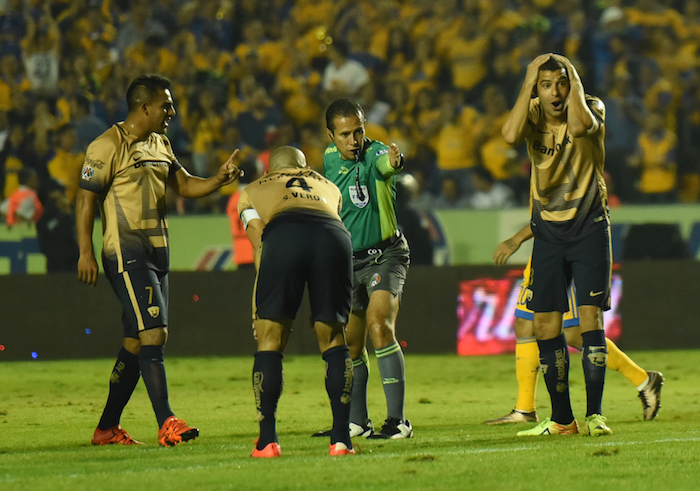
x: 595, y: 103
x: 331, y: 149
x: 376, y: 149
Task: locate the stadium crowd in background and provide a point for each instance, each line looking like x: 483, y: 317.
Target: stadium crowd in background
x: 435, y: 77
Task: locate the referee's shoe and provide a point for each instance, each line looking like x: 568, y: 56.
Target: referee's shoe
x: 394, y: 429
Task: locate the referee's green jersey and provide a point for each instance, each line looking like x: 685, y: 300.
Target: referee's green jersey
x: 369, y: 213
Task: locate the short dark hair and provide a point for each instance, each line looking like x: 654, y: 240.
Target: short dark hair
x: 553, y: 65
x: 143, y: 88
x: 345, y: 108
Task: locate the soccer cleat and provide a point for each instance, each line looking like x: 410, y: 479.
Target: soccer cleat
x: 364, y: 431
x: 175, y: 431
x: 549, y: 427
x: 595, y: 426
x: 514, y: 416
x: 113, y: 436
x: 651, y: 395
x: 271, y: 450
x: 393, y: 429
x: 341, y: 449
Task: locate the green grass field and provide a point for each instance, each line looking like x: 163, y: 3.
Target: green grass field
x: 48, y: 411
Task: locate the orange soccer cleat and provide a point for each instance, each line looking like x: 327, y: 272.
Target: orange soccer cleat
x: 271, y: 450
x: 113, y: 436
x: 175, y: 431
x: 341, y: 449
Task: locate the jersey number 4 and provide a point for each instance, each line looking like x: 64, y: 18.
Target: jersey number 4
x: 298, y: 182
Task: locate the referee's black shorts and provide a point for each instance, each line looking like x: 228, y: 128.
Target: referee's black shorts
x: 302, y: 249
x: 587, y: 262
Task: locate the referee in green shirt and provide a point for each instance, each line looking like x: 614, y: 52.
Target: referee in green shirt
x: 365, y: 171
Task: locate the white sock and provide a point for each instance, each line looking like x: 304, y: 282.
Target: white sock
x: 644, y: 384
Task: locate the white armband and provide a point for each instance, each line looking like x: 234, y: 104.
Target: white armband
x: 248, y: 215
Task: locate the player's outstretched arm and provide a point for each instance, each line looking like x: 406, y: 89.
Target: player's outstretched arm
x: 516, y: 129
x: 85, y: 222
x: 189, y: 186
x: 508, y: 247
x: 395, y: 156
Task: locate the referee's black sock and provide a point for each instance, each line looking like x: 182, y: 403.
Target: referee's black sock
x: 339, y: 377
x: 268, y: 381
x: 125, y: 376
x: 554, y: 360
x: 153, y: 373
x: 594, y: 359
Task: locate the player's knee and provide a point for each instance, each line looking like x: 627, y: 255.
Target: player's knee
x: 547, y: 326
x: 156, y: 337
x: 382, y: 331
x: 523, y: 328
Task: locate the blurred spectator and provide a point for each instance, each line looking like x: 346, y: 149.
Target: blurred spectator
x: 242, y: 252
x: 138, y: 25
x: 412, y: 222
x: 656, y: 160
x: 489, y: 194
x: 12, y: 80
x: 23, y: 154
x: 65, y: 164
x: 262, y: 118
x: 455, y: 144
x: 23, y: 205
x: 451, y: 195
x: 624, y: 118
x: 44, y: 123
x: 207, y: 131
x: 13, y: 27
x: 5, y: 147
x: 55, y: 230
x: 376, y: 110
x: 466, y: 56
x: 342, y: 76
x: 257, y: 49
x: 41, y: 53
x: 87, y: 125
x: 297, y: 86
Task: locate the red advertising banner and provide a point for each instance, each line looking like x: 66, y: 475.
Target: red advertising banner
x: 485, y: 313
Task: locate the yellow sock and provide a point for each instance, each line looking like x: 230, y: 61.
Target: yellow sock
x: 527, y: 359
x: 622, y: 363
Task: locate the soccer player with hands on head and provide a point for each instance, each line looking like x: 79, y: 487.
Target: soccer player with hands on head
x: 564, y: 131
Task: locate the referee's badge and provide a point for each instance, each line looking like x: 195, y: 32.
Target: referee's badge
x: 360, y: 203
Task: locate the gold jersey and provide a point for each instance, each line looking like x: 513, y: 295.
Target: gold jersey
x: 130, y: 178
x: 569, y: 195
x: 301, y: 190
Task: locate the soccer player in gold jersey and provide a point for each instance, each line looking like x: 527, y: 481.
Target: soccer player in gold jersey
x: 291, y: 216
x: 125, y: 172
x: 564, y: 131
x: 527, y: 361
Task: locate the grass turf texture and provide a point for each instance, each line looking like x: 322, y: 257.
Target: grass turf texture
x: 48, y: 411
